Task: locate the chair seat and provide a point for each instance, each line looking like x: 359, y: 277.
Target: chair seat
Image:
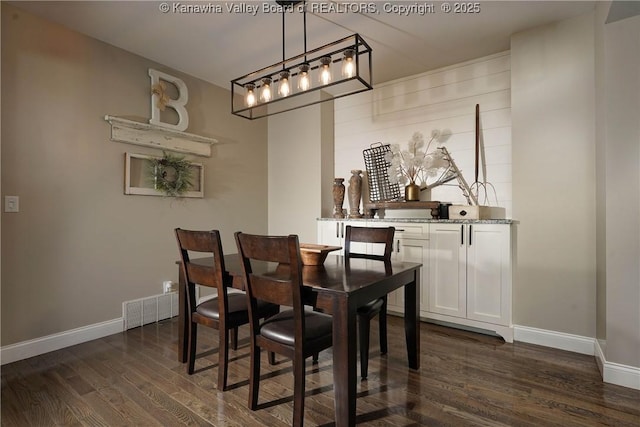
x: 281, y: 327
x: 237, y: 306
x: 371, y: 307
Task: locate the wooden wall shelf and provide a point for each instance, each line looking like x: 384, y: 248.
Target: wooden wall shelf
x: 137, y: 133
x: 372, y: 207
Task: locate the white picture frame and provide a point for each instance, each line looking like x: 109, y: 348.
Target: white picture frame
x: 137, y: 182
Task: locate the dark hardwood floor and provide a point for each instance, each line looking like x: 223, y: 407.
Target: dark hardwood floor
x: 466, y: 379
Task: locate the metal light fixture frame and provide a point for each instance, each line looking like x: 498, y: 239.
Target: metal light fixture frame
x: 339, y: 87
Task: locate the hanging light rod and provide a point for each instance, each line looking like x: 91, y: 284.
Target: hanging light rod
x: 305, y: 79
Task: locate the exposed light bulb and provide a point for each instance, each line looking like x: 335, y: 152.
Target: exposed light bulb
x: 304, y: 82
x: 250, y: 98
x: 348, y: 64
x: 284, y: 88
x: 265, y: 92
x: 325, y: 70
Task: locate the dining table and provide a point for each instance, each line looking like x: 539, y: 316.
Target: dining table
x: 339, y: 286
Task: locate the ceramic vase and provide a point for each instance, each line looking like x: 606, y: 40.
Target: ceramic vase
x: 338, y: 197
x: 355, y: 193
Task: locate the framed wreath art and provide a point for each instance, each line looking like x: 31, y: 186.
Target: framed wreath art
x: 169, y: 176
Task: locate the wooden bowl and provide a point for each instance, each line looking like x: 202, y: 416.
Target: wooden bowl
x: 313, y: 254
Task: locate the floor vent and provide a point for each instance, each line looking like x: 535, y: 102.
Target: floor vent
x: 149, y: 310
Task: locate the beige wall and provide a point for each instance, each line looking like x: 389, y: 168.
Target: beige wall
x: 622, y: 185
x: 601, y: 243
x: 300, y: 169
x: 553, y: 107
x: 79, y: 247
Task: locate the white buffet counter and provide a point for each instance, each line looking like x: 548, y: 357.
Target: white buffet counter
x: 467, y: 268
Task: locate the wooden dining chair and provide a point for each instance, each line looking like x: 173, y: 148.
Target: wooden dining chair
x: 226, y: 311
x: 377, y: 236
x: 295, y: 332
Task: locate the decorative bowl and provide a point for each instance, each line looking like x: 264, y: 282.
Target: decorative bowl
x: 313, y: 254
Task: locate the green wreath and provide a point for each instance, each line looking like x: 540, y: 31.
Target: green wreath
x: 171, y: 174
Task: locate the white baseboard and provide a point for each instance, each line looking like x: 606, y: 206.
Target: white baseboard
x: 35, y: 347
x: 615, y: 373
x: 612, y: 373
x: 559, y: 340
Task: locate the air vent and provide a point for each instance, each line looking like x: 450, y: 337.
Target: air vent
x: 149, y: 310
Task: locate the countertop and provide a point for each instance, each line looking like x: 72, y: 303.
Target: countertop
x: 427, y: 220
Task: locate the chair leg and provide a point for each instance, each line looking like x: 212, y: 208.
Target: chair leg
x: 191, y: 352
x: 363, y: 326
x: 298, y: 391
x: 223, y: 358
x: 272, y: 358
x: 234, y: 338
x: 316, y: 355
x: 383, y: 326
x: 254, y: 377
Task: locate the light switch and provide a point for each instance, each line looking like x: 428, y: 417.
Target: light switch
x: 11, y: 204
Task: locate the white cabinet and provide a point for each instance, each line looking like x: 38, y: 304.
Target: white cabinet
x: 447, y: 269
x: 411, y: 250
x: 331, y: 232
x: 467, y: 268
x: 470, y: 281
x: 411, y: 244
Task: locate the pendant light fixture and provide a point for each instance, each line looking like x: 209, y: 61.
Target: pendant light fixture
x: 348, y: 64
x: 304, y: 79
x: 284, y: 87
x: 294, y: 77
x: 265, y: 90
x: 250, y: 96
x: 325, y: 70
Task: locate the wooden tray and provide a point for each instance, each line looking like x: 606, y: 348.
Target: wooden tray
x: 313, y: 254
x: 372, y: 207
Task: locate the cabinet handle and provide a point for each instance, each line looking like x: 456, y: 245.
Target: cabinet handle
x: 337, y: 230
x: 462, y: 235
x: 400, y: 229
x: 398, y: 246
x: 342, y: 229
x: 470, y: 225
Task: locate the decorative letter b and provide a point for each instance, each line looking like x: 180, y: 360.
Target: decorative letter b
x: 158, y: 99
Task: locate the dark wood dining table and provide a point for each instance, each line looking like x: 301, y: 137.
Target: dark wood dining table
x: 339, y: 287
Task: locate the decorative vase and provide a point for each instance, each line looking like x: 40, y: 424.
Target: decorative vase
x: 355, y: 192
x: 338, y: 197
x: 412, y: 192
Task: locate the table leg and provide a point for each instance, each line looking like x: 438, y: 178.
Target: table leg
x: 344, y: 362
x: 412, y: 320
x: 183, y: 334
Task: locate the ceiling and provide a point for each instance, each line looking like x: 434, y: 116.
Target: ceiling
x: 221, y: 45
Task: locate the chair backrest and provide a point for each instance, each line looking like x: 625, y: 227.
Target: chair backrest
x: 373, y: 235
x: 280, y: 284
x: 206, y: 244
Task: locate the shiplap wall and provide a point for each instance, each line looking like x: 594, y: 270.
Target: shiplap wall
x: 442, y: 99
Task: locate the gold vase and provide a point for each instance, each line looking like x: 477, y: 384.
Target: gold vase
x: 412, y: 192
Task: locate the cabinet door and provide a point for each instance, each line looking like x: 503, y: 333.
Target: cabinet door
x: 332, y: 233
x: 489, y: 273
x: 329, y: 233
x: 447, y: 270
x: 411, y: 250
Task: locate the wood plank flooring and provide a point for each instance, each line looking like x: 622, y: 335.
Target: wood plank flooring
x: 466, y: 379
